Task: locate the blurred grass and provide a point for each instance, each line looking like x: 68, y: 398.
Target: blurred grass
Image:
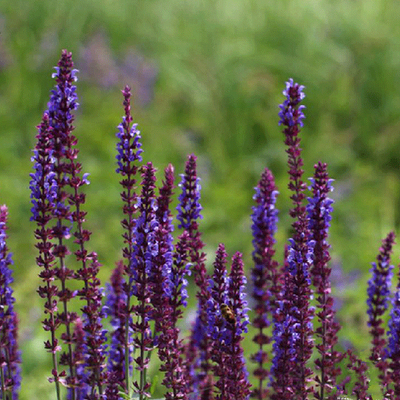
x: 207, y: 77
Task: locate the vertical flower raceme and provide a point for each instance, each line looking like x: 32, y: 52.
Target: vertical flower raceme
x: 189, y: 207
x: 68, y: 214
x: 116, y: 309
x: 145, y: 249
x: 297, y: 290
x: 78, y: 339
x: 319, y: 210
x: 162, y: 266
x: 392, y: 351
x: 161, y: 290
x: 378, y: 301
x: 188, y: 214
x: 62, y: 103
x: 172, y: 354
x: 9, y: 353
x: 128, y: 156
x: 44, y: 194
x: 217, y: 324
x: 265, y: 274
x: 238, y: 385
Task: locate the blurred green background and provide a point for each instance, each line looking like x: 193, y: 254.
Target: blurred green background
x: 207, y: 77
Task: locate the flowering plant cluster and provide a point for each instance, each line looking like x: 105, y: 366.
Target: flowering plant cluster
x: 295, y: 332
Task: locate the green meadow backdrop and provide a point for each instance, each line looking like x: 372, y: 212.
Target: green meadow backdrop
x: 207, y: 78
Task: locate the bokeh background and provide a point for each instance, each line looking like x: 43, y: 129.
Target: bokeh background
x: 207, y: 78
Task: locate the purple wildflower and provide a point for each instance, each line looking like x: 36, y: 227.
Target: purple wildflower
x: 9, y: 354
x: 295, y: 312
x: 162, y: 291
x: 189, y: 207
x: 188, y: 214
x: 62, y: 103
x: 265, y: 274
x: 378, y: 301
x: 171, y: 348
x: 78, y: 339
x: 283, y: 363
x: 319, y: 210
x: 217, y: 325
x: 144, y: 250
x: 68, y: 209
x: 128, y: 155
x: 116, y: 309
x: 392, y: 351
x: 238, y: 385
x: 43, y: 187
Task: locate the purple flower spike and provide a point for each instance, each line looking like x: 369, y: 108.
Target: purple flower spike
x: 378, y: 300
x: 291, y: 118
x: 189, y: 200
x: 44, y: 193
x: 128, y: 156
x: 170, y: 346
x: 265, y: 274
x: 188, y: 214
x: 129, y: 146
x: 295, y: 313
x: 238, y: 385
x: 80, y: 389
x: 116, y: 309
x: 392, y: 351
x: 162, y: 291
x: 221, y: 337
x: 9, y: 355
x: 283, y: 363
x: 319, y: 210
x: 145, y: 250
x: 290, y: 114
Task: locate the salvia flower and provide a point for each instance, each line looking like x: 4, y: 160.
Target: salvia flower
x: 378, y: 301
x: 44, y: 192
x: 9, y: 354
x: 145, y: 249
x: 283, y: 362
x: 188, y: 215
x: 265, y: 273
x: 189, y: 207
x: 63, y: 101
x: 319, y: 209
x: 392, y: 351
x: 216, y: 309
x: 171, y: 348
x: 297, y: 292
x: 80, y: 390
x: 161, y: 293
x: 238, y: 385
x: 128, y: 157
x: 115, y: 308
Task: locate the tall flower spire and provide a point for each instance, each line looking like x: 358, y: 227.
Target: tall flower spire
x: 294, y: 311
x: 188, y: 214
x: 238, y: 385
x: 9, y: 354
x: 128, y: 158
x: 378, y: 301
x: 265, y: 274
x: 144, y: 250
x: 319, y: 210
